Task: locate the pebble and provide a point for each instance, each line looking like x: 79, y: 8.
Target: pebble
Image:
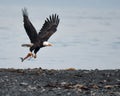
x: 23, y: 84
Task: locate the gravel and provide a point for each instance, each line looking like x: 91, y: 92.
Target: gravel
x: 70, y: 82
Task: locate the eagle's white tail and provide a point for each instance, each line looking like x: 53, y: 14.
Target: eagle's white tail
x: 27, y: 45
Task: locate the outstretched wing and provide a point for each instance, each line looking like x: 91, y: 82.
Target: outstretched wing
x: 30, y: 30
x: 49, y: 27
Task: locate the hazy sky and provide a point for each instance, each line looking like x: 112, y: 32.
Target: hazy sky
x: 65, y: 3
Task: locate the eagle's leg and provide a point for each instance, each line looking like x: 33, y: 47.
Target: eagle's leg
x: 35, y: 56
x: 35, y: 52
x: 28, y: 55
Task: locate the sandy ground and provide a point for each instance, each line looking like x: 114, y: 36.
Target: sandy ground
x: 70, y: 82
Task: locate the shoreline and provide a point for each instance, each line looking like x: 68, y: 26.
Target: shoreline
x: 69, y: 82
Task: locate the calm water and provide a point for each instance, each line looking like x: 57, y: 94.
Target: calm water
x: 87, y: 37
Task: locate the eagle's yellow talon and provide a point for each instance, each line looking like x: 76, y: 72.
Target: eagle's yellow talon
x: 30, y: 54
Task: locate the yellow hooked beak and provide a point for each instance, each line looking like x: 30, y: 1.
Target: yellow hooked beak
x: 50, y: 44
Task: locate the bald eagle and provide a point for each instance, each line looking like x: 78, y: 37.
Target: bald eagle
x: 39, y: 40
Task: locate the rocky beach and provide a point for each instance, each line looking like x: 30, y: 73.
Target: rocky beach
x: 69, y: 82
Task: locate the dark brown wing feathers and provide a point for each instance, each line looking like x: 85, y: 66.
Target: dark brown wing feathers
x: 30, y: 30
x: 49, y: 27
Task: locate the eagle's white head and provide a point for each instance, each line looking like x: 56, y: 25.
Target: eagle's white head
x: 45, y: 43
